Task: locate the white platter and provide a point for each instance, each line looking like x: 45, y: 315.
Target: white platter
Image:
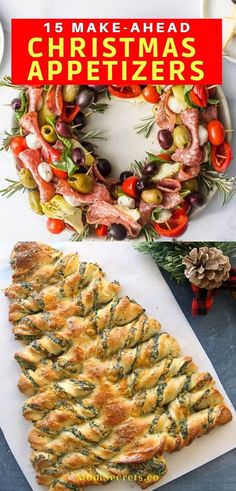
x: 219, y: 9
x: 146, y: 284
x: 1, y: 43
x: 122, y: 145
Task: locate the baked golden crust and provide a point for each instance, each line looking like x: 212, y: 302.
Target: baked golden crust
x: 108, y: 392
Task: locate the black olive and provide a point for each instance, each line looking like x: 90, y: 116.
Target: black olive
x: 104, y: 167
x: 88, y: 146
x: 117, y: 231
x: 84, y: 98
x: 143, y: 183
x: 78, y: 156
x: 79, y: 121
x: 165, y: 139
x: 150, y: 169
x: 16, y: 104
x: 124, y: 175
x: 98, y: 88
x: 197, y: 200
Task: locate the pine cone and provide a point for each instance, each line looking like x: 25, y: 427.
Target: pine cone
x: 206, y: 267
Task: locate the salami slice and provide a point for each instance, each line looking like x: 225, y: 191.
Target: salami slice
x: 54, y: 100
x: 193, y: 154
x: 31, y: 159
x: 165, y: 118
x: 106, y: 214
x: 29, y: 123
x: 169, y: 185
x: 209, y: 113
x: 98, y: 193
x: 187, y: 172
x: 34, y: 97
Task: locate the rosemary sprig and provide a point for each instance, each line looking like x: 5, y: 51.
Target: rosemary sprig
x: 78, y: 237
x: 224, y: 184
x: 6, y: 82
x: 137, y: 167
x: 145, y: 126
x: 6, y: 140
x: 98, y: 107
x: 149, y: 233
x: 169, y: 256
x: 92, y: 134
x: 13, y: 188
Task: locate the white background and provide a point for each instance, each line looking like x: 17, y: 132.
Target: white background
x: 16, y: 219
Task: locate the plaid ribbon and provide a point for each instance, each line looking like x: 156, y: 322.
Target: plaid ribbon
x: 204, y: 299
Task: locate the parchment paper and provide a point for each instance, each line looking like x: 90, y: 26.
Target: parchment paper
x: 141, y: 280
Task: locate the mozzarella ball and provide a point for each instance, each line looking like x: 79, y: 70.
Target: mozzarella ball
x: 45, y: 171
x: 126, y: 201
x: 71, y: 200
x: 32, y: 142
x: 202, y: 135
x: 173, y: 104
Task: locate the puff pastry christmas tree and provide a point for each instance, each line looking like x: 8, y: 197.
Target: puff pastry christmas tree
x: 108, y: 392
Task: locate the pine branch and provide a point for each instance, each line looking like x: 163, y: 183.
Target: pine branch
x: 13, y: 188
x: 145, y: 126
x: 169, y: 256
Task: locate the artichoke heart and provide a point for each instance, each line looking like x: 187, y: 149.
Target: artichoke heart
x: 57, y: 207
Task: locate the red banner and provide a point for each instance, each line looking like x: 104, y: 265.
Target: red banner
x: 116, y: 51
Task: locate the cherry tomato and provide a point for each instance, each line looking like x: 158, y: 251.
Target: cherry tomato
x: 150, y: 94
x: 216, y: 132
x: 174, y: 227
x: 199, y: 95
x: 129, y: 186
x: 17, y: 145
x: 182, y: 209
x: 124, y: 92
x: 61, y: 174
x: 55, y: 155
x: 55, y: 226
x: 69, y: 112
x: 221, y: 156
x: 101, y: 231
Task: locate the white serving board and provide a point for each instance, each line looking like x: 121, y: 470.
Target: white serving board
x: 140, y: 279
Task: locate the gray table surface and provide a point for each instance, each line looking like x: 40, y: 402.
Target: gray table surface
x: 217, y: 334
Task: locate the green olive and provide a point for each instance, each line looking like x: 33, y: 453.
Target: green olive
x: 34, y: 201
x: 48, y: 133
x: 27, y: 179
x: 152, y: 196
x: 116, y: 191
x: 44, y: 114
x: 81, y: 182
x: 191, y: 184
x: 181, y: 136
x: 70, y: 92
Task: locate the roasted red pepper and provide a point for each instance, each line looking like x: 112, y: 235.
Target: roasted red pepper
x: 221, y: 156
x: 199, y: 95
x: 69, y: 112
x: 124, y: 92
x: 174, y: 227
